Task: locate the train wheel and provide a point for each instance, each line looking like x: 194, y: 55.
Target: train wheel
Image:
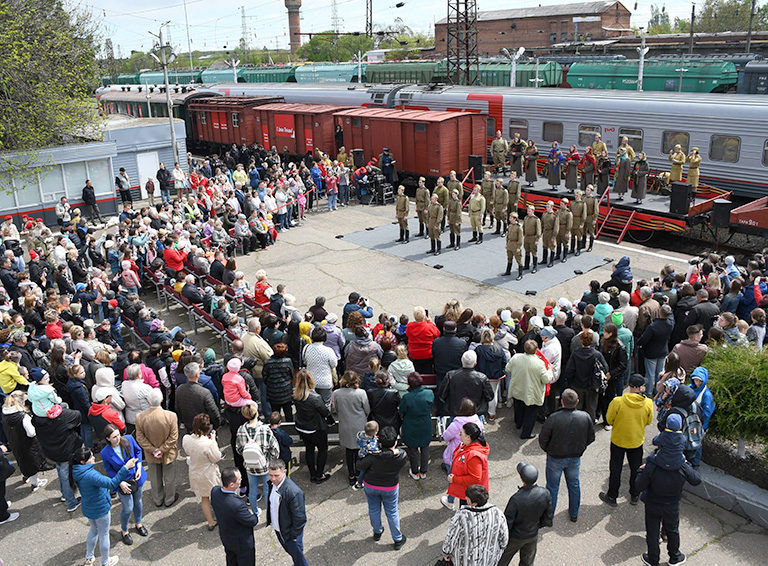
x: 640, y: 236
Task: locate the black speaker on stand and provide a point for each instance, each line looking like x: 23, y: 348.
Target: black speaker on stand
x: 358, y: 158
x: 721, y: 213
x: 681, y: 198
x: 476, y: 161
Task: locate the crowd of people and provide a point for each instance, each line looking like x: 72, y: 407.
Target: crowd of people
x: 73, y: 390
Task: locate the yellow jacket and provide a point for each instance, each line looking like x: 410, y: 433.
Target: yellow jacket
x: 629, y: 415
x: 10, y: 376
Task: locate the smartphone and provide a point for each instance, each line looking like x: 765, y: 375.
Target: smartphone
x: 426, y: 311
x: 77, y: 351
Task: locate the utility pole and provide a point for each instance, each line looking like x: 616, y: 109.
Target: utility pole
x: 189, y: 43
x: 164, y: 61
x: 369, y: 18
x: 462, y: 48
x: 513, y: 63
x: 642, y: 50
x: 244, y: 45
x: 693, y: 18
x: 749, y: 31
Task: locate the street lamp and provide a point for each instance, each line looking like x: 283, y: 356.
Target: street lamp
x: 513, y: 63
x: 165, y: 61
x: 642, y: 50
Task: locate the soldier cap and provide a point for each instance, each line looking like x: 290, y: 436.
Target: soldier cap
x: 422, y: 179
x: 578, y: 192
x: 564, y: 201
x: 514, y: 215
x: 531, y: 207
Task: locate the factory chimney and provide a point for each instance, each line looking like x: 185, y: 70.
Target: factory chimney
x: 294, y: 24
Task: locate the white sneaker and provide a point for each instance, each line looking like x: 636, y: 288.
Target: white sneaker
x: 607, y: 427
x: 40, y: 483
x: 423, y: 476
x: 112, y: 561
x: 90, y: 561
x: 446, y: 503
x: 413, y: 476
x: 12, y: 517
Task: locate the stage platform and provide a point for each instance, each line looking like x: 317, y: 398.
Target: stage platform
x: 484, y: 262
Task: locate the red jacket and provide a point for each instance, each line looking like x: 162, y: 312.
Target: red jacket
x: 469, y: 467
x: 108, y: 414
x: 174, y: 259
x: 420, y: 336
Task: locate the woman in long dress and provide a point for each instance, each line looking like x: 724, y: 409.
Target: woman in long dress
x: 623, y: 168
x: 571, y: 168
x: 641, y: 178
x: 531, y: 156
x: 603, y: 172
x: 588, y: 166
x: 203, y: 454
x: 555, y: 166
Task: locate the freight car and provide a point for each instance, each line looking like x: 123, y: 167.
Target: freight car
x: 729, y: 131
x: 299, y: 128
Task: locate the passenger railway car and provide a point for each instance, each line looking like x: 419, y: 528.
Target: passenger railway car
x: 731, y: 132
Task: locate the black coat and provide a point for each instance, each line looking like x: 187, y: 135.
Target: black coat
x: 447, y: 351
x: 217, y: 270
x: 467, y: 383
x: 28, y: 453
x: 654, y: 340
x: 664, y: 487
x: 291, y: 513
x: 527, y: 511
x: 567, y: 433
x: 89, y: 196
x: 382, y: 469
x: 384, y: 403
x: 311, y: 413
x: 580, y: 367
x: 59, y: 437
x: 682, y: 308
x: 236, y: 522
x: 195, y: 295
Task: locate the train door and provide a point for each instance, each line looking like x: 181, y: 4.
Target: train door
x: 148, y: 164
x: 420, y: 145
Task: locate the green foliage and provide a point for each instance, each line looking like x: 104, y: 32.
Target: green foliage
x: 660, y: 23
x: 738, y: 379
x: 407, y: 45
x: 712, y: 17
x: 48, y: 71
x: 334, y: 48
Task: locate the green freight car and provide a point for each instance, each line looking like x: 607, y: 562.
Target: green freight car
x: 657, y: 76
x: 128, y: 78
x: 174, y: 77
x: 329, y: 73
x: 550, y: 74
x: 277, y: 74
x: 413, y: 72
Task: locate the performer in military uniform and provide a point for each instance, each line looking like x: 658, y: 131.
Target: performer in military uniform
x: 514, y: 241
x: 500, y: 200
x: 454, y: 184
x: 677, y: 157
x: 531, y: 155
x: 588, y: 166
x: 694, y: 160
x: 442, y: 197
x: 531, y: 234
x: 487, y: 192
x: 387, y: 164
x: 590, y: 203
x: 565, y: 224
x: 402, y: 207
x: 579, y: 212
x: 454, y: 219
x: 514, y: 194
x: 435, y: 217
x: 598, y: 146
x: 623, y: 169
x: 640, y: 172
x: 422, y: 202
x: 476, y: 213
x: 627, y: 148
x: 549, y: 228
x: 499, y: 149
x: 517, y: 147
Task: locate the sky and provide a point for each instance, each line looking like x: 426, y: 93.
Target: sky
x: 214, y: 24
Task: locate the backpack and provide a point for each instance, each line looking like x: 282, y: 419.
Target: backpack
x: 692, y: 426
x: 599, y: 381
x: 253, y: 456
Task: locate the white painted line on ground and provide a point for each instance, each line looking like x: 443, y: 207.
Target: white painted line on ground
x: 633, y: 250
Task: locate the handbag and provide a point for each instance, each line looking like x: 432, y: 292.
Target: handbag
x: 444, y: 562
x: 133, y: 485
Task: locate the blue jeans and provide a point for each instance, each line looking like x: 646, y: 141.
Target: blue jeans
x: 377, y: 498
x: 86, y: 432
x: 165, y: 195
x: 332, y: 200
x: 62, y: 469
x: 131, y: 504
x: 294, y: 548
x: 696, y: 460
x: 174, y: 331
x: 555, y: 468
x: 99, y: 532
x: 652, y: 369
x: 266, y: 408
x: 344, y: 194
x: 253, y: 491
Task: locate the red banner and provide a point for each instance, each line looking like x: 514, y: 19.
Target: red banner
x: 265, y: 135
x: 223, y: 120
x: 284, y: 127
x: 215, y: 119
x: 308, y: 141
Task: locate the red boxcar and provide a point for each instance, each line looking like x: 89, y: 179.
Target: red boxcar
x: 422, y: 142
x: 299, y: 127
x: 226, y: 120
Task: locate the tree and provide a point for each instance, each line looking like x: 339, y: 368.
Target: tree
x: 329, y: 47
x: 659, y: 22
x: 729, y: 15
x: 48, y: 72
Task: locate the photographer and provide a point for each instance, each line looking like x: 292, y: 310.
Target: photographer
x: 356, y: 304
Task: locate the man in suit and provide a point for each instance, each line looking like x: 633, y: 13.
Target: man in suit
x: 191, y: 292
x: 235, y: 521
x: 286, y: 513
x: 157, y: 433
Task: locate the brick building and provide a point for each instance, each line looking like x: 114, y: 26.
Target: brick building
x: 544, y: 26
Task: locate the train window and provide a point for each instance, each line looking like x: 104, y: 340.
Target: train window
x: 235, y: 120
x: 765, y: 153
x: 357, y: 122
x: 518, y: 127
x: 670, y: 139
x: 421, y: 127
x: 724, y: 148
x: 491, y: 129
x: 202, y: 118
x: 587, y: 134
x: 634, y: 136
x: 553, y: 131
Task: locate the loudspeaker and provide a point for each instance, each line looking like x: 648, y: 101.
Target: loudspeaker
x: 681, y: 199
x: 721, y: 213
x: 476, y: 161
x: 358, y: 158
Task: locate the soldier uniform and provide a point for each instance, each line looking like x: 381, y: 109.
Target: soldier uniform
x: 677, y: 159
x: 435, y: 217
x: 500, y: 199
x: 565, y: 222
x: 517, y: 147
x: 442, y: 197
x: 598, y: 146
x: 454, y: 184
x: 476, y: 212
x: 590, y: 204
x: 514, y: 196
x: 579, y: 211
x: 531, y: 234
x: 549, y: 229
x: 402, y: 207
x: 422, y: 202
x: 514, y: 241
x: 628, y: 148
x: 454, y: 220
x: 499, y: 148
x: 487, y: 192
x: 694, y: 160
